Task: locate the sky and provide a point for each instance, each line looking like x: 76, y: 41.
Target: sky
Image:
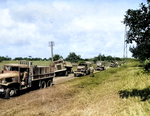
x: 86, y: 27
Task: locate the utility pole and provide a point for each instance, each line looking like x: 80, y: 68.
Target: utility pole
x: 125, y: 44
x: 51, y: 44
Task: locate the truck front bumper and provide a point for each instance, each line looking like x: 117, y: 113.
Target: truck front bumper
x: 2, y: 91
x: 79, y: 73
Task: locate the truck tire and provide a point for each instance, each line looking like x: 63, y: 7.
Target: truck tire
x: 10, y: 92
x: 66, y: 73
x: 87, y: 72
x: 43, y: 84
x: 49, y: 83
x: 72, y: 71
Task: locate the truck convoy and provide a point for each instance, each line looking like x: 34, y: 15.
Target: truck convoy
x: 16, y: 77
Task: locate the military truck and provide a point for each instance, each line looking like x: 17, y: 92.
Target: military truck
x: 113, y: 64
x: 16, y: 77
x: 83, y: 68
x: 101, y: 65
x: 62, y: 68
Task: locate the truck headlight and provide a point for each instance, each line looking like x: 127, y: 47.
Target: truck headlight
x: 82, y: 69
x: 3, y: 81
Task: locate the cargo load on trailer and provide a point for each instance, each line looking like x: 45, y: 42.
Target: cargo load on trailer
x: 62, y: 68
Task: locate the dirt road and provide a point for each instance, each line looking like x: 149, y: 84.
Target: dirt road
x: 62, y: 79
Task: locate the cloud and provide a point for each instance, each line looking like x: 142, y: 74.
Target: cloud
x: 84, y: 27
x: 61, y: 5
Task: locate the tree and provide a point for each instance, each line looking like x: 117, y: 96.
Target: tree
x: 18, y: 58
x: 72, y: 57
x: 109, y: 58
x: 138, y: 22
x: 2, y: 58
x: 45, y: 59
x: 95, y: 59
x: 56, y: 57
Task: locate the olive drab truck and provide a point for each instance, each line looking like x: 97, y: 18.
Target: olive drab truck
x: 62, y: 68
x: 83, y: 68
x: 16, y: 77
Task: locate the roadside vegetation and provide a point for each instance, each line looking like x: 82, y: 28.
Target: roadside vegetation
x: 117, y: 91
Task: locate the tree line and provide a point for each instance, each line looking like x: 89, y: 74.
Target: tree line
x: 72, y: 57
x: 5, y: 58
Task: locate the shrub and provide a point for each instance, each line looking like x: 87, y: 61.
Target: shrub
x: 147, y: 64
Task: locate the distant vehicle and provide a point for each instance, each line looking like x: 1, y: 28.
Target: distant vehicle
x: 62, y: 68
x: 16, y: 77
x: 83, y: 68
x: 113, y: 64
x: 101, y: 65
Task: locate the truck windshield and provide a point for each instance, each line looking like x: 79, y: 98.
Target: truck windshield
x: 82, y: 64
x: 11, y: 68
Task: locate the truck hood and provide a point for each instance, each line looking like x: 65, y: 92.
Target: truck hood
x: 8, y: 75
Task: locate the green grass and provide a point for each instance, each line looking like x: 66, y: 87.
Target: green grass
x: 119, y: 91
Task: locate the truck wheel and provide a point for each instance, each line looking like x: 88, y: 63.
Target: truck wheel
x: 49, y: 83
x: 43, y: 84
x: 87, y: 72
x: 72, y: 71
x: 10, y: 92
x: 66, y: 73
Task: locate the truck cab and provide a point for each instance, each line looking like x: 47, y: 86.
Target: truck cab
x: 14, y: 77
x: 62, y: 68
x: 83, y: 68
x: 101, y: 65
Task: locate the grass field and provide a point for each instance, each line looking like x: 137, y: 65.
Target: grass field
x: 123, y: 91
x: 39, y: 63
